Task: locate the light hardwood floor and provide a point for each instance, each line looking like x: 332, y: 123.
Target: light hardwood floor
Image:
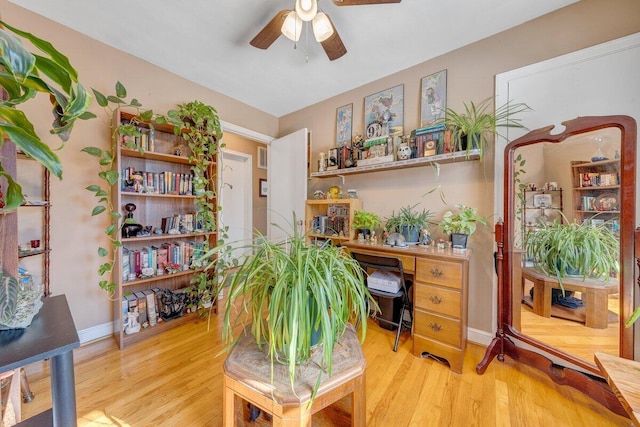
x: 175, y: 379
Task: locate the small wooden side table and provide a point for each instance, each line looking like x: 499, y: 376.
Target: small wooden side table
x: 247, y: 374
x: 623, y: 376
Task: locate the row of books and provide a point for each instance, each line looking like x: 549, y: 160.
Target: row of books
x: 182, y: 222
x: 156, y: 260
x: 166, y: 182
x: 594, y: 179
x: 145, y: 141
x: 155, y: 305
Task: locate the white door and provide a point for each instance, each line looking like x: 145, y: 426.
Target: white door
x: 237, y: 207
x: 287, y: 181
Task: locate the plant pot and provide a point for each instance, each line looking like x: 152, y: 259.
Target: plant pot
x: 410, y: 233
x: 464, y: 142
x: 459, y: 240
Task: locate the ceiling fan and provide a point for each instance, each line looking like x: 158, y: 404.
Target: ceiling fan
x: 290, y: 22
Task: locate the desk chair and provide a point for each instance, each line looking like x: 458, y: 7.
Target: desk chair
x: 377, y: 262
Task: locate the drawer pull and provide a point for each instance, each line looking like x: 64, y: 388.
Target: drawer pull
x: 436, y: 272
x: 435, y: 299
x: 435, y: 326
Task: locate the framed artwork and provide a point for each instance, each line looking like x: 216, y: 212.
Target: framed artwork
x: 344, y: 116
x: 264, y: 188
x: 384, y: 113
x: 542, y: 200
x: 433, y: 97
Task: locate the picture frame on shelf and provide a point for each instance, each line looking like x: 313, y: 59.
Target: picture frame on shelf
x: 542, y: 200
x: 433, y: 98
x: 344, y: 120
x: 384, y: 113
x: 264, y: 187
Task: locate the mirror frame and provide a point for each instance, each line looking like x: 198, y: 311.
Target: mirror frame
x: 562, y: 367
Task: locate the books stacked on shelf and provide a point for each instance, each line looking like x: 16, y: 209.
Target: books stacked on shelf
x: 432, y: 140
x: 166, y: 182
x: 594, y: 179
x: 155, y: 260
x: 144, y: 141
x: 182, y: 222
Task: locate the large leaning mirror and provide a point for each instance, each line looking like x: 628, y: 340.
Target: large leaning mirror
x: 562, y: 186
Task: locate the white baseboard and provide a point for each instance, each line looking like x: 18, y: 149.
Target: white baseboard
x: 95, y: 332
x: 479, y: 337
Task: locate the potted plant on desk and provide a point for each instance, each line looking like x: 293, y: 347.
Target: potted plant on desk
x: 298, y: 296
x: 365, y: 222
x: 408, y: 222
x: 461, y: 224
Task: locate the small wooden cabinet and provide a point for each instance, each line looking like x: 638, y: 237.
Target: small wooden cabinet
x: 331, y: 219
x: 440, y: 306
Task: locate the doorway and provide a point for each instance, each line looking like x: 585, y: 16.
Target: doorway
x: 236, y: 190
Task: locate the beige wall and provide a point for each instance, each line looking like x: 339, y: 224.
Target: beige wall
x: 471, y: 70
x: 470, y: 77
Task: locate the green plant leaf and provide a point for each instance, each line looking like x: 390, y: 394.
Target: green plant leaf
x: 102, y: 252
x: 8, y: 297
x: 121, y: 91
x: 92, y: 151
x: 32, y: 146
x: 97, y: 210
x: 100, y: 98
x: 15, y: 56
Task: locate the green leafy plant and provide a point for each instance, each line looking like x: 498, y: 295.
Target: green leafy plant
x: 23, y: 76
x: 408, y: 221
x: 478, y: 121
x: 109, y: 176
x: 586, y: 250
x: 364, y: 220
x: 464, y: 221
x: 292, y: 288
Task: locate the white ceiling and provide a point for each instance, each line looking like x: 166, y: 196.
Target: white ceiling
x: 207, y: 41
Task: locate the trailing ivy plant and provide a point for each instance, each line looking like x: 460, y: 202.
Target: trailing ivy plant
x: 22, y: 76
x: 201, y: 129
x: 109, y: 177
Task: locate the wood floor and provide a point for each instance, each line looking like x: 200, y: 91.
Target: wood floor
x: 175, y: 379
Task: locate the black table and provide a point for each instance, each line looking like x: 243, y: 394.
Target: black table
x: 51, y: 335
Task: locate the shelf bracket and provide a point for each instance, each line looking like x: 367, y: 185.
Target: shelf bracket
x: 341, y: 177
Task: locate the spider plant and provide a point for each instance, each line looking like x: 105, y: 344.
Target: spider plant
x: 471, y: 127
x: 408, y: 221
x: 563, y: 249
x: 291, y: 289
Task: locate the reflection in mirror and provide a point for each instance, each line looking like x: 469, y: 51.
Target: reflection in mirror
x: 562, y: 185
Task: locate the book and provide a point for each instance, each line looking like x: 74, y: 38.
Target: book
x: 152, y: 315
x: 142, y: 308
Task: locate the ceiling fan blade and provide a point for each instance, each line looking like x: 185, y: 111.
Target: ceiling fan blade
x: 333, y: 46
x: 270, y: 32
x: 359, y: 2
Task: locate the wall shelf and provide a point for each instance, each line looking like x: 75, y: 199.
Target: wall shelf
x: 460, y: 156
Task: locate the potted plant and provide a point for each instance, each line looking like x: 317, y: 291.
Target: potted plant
x: 461, y: 224
x: 572, y: 249
x: 471, y: 128
x: 408, y: 222
x: 296, y: 293
x: 365, y: 221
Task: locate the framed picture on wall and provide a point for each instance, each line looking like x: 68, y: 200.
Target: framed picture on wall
x: 344, y: 117
x: 262, y: 157
x: 384, y: 113
x: 264, y: 188
x: 433, y: 98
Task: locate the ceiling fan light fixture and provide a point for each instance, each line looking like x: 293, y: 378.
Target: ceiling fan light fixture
x: 322, y: 27
x: 306, y: 9
x: 292, y: 26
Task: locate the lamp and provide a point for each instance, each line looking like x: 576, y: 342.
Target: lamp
x: 306, y: 9
x: 292, y: 26
x: 322, y: 27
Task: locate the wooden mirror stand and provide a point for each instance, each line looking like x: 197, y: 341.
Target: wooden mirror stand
x: 562, y: 367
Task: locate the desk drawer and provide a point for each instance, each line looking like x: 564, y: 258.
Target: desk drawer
x: 437, y: 299
x: 408, y: 262
x: 437, y: 327
x: 439, y: 272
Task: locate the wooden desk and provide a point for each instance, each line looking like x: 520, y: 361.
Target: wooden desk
x: 623, y: 376
x: 595, y: 295
x: 441, y: 279
x: 52, y: 335
x: 247, y: 374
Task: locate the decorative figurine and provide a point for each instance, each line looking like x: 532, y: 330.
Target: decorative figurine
x: 426, y: 238
x: 130, y: 228
x: 133, y: 326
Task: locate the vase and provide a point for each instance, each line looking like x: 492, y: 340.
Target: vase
x: 459, y: 240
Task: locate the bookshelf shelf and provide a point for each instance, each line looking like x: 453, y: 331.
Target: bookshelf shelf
x: 159, y: 184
